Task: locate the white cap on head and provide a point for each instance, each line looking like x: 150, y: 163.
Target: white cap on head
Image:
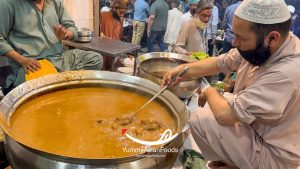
x: 263, y: 11
x: 291, y: 8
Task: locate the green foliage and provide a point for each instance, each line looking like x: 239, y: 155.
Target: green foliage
x: 199, y: 55
x: 218, y: 85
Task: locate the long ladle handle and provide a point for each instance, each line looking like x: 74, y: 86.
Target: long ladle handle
x: 179, y: 74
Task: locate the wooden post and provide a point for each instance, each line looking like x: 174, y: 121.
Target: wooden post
x: 96, y: 17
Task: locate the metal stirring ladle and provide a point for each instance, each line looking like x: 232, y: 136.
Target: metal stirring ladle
x: 125, y: 120
x: 179, y: 74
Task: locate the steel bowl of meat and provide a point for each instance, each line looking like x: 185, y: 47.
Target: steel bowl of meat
x: 73, y: 120
x: 153, y: 66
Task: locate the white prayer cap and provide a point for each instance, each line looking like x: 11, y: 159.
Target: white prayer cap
x: 291, y: 8
x: 263, y: 11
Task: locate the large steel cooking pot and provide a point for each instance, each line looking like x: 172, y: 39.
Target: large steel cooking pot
x: 153, y: 66
x: 22, y: 156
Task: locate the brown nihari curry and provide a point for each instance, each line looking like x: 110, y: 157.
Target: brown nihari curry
x: 80, y: 122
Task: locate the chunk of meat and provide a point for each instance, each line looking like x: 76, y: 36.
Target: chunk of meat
x: 151, y: 125
x: 123, y: 121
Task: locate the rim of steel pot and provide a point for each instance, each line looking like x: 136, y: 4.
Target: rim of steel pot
x: 163, y: 55
x: 161, y: 77
x: 145, y: 56
x: 82, y: 78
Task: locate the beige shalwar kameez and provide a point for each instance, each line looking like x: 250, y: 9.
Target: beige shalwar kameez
x: 266, y: 100
x: 190, y: 39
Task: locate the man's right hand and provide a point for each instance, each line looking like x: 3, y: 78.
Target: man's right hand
x: 170, y: 74
x: 30, y: 65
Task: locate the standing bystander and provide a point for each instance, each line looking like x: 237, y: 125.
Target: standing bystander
x: 211, y: 29
x: 157, y: 24
x: 192, y: 5
x: 173, y: 26
x: 141, y: 11
x: 227, y: 26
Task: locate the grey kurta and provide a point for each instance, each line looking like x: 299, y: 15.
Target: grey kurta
x: 31, y: 33
x: 266, y: 101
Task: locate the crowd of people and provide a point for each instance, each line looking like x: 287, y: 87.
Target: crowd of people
x: 151, y: 18
x: 183, y: 10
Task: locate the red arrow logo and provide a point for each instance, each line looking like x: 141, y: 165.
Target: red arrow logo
x: 124, y: 131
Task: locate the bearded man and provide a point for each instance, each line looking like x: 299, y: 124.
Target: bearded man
x: 191, y: 36
x: 111, y: 22
x: 111, y: 25
x: 257, y: 126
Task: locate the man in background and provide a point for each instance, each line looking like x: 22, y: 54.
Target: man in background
x: 227, y: 26
x: 157, y: 24
x: 183, y: 6
x: 141, y: 12
x: 111, y: 25
x: 191, y: 37
x: 192, y: 5
x: 173, y: 26
x: 211, y: 29
x: 111, y: 22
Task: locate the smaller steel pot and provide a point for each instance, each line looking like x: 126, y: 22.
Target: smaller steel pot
x: 153, y: 66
